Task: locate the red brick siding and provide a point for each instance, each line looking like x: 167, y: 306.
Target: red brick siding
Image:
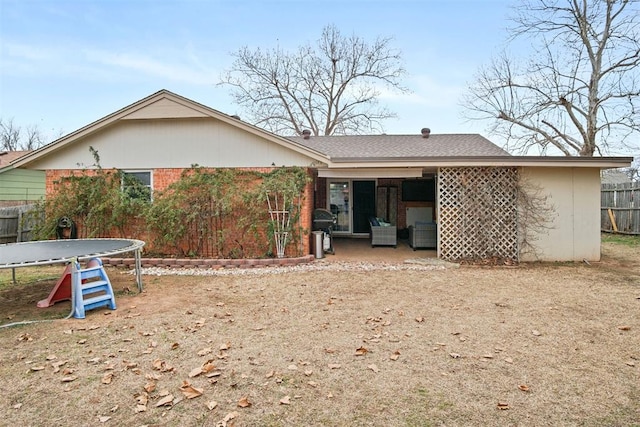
x: 162, y: 178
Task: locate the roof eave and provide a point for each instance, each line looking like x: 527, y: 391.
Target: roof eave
x: 468, y: 161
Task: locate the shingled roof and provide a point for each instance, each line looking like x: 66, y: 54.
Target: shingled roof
x: 7, y: 157
x: 369, y: 147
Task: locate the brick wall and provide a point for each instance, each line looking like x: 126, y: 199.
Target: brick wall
x: 162, y: 178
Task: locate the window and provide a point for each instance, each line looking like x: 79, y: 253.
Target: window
x: 418, y: 190
x: 138, y: 185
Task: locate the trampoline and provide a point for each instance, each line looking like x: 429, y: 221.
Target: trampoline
x: 43, y: 252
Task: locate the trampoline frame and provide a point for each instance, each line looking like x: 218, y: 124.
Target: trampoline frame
x: 134, y: 246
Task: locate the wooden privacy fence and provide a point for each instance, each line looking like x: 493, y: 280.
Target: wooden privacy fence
x: 620, y: 208
x: 15, y: 225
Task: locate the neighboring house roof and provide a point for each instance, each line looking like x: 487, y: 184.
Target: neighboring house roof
x: 7, y: 157
x: 614, y: 177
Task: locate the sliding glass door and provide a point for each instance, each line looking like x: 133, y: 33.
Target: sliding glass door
x: 339, y: 204
x: 353, y: 202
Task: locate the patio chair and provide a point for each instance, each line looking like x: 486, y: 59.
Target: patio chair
x: 423, y: 235
x: 383, y: 234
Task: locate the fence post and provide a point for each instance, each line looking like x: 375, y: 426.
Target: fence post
x: 19, y: 232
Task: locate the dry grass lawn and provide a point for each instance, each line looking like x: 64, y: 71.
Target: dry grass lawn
x: 543, y: 345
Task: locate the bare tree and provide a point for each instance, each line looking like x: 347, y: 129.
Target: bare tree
x: 15, y: 138
x: 329, y: 88
x: 633, y: 172
x: 579, y: 91
x: 10, y: 135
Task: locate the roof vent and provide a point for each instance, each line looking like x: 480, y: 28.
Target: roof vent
x: 236, y: 117
x: 425, y: 132
x: 306, y: 134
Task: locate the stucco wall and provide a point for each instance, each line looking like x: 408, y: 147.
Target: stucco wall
x: 173, y: 143
x: 574, y: 227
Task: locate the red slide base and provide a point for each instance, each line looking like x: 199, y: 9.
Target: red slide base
x: 61, y: 291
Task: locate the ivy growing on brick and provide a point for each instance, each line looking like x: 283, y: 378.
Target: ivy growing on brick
x: 94, y: 199
x: 220, y: 213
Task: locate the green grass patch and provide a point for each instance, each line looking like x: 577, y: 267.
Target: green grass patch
x: 29, y: 275
x: 621, y: 239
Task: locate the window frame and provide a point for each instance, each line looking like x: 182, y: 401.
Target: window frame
x: 133, y: 173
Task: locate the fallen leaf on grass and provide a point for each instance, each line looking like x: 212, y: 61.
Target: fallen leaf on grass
x: 25, y: 337
x: 244, y: 402
x: 142, y: 398
x: 395, y: 355
x: 37, y: 368
x: 285, y: 400
x: 334, y: 366
x: 523, y: 387
x: 106, y: 378
x: 420, y: 319
x: 536, y: 333
x: 104, y: 419
x: 162, y: 366
x: 205, y: 351
x: 165, y: 401
x: 308, y: 372
x: 454, y: 355
x: 361, y: 351
x: 17, y: 406
x: 150, y: 387
x: 225, y: 346
x: 174, y: 346
x: 230, y: 416
x: 631, y: 363
x: 212, y: 405
x: 624, y: 328
x: 189, y: 391
x: 195, y: 372
x: 69, y: 378
x: 141, y: 408
x: 503, y: 406
x: 374, y: 368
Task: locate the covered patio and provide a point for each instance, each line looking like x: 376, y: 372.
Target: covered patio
x: 359, y: 249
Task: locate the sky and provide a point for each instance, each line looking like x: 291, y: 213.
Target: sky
x: 67, y: 63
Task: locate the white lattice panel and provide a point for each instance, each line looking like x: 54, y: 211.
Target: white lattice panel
x: 478, y: 213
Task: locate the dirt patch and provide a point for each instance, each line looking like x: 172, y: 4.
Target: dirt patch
x: 537, y: 344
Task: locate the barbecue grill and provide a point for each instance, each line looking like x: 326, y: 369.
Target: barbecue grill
x: 323, y: 220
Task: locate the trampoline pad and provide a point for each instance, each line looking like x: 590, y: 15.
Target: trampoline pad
x: 54, y: 251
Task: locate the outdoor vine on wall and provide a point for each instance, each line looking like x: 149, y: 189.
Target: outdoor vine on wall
x: 93, y: 197
x: 220, y: 213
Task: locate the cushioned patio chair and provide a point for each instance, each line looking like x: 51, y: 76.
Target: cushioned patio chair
x: 423, y: 235
x: 383, y: 234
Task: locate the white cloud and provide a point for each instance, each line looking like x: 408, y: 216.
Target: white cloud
x: 26, y: 52
x: 148, y: 66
